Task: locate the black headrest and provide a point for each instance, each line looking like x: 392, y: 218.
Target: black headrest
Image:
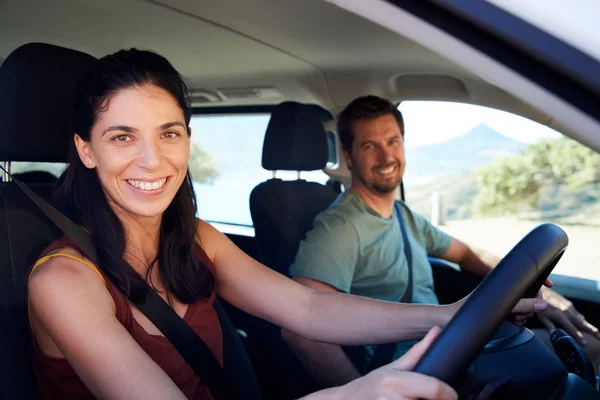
x: 295, y: 138
x: 324, y: 114
x: 37, y: 87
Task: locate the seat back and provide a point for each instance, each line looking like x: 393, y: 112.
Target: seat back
x: 283, y: 211
x: 37, y: 84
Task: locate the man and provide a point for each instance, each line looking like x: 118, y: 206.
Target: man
x: 356, y: 245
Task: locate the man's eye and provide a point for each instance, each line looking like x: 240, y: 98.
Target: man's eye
x: 171, y: 134
x: 121, y: 138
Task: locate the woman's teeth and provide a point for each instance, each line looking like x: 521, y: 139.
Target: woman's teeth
x: 145, y: 185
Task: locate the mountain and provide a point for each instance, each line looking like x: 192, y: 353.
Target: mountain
x: 474, y: 149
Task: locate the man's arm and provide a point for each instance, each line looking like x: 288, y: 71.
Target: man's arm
x: 460, y: 253
x: 560, y: 310
x: 327, y: 363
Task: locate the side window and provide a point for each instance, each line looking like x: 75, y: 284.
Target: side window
x: 488, y: 177
x: 226, y: 165
x: 56, y: 169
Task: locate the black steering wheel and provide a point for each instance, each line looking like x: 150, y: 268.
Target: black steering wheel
x: 520, y: 274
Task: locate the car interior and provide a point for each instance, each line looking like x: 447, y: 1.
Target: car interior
x: 301, y: 63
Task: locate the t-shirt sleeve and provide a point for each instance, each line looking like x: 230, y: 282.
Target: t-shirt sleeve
x: 329, y: 253
x: 435, y: 241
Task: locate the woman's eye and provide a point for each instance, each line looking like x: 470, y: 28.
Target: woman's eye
x: 171, y: 134
x: 121, y: 138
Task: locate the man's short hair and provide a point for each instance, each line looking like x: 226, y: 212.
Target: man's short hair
x: 366, y: 107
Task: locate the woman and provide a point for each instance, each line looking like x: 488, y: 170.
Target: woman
x: 129, y: 185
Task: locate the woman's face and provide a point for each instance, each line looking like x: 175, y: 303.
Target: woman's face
x: 140, y: 148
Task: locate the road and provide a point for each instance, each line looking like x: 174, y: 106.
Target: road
x: 499, y: 235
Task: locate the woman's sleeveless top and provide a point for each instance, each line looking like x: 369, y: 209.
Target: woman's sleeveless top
x: 56, y: 378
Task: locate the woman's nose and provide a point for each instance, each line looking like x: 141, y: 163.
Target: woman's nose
x: 149, y: 157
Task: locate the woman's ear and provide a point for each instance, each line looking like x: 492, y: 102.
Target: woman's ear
x: 84, y: 152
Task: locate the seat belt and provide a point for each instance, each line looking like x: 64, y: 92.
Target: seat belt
x: 189, y: 345
x: 384, y: 353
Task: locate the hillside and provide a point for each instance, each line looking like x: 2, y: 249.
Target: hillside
x: 449, y: 169
x: 477, y: 147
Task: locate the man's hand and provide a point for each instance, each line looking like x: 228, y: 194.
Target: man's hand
x: 562, y: 312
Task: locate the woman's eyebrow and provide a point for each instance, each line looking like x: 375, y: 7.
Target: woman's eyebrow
x: 121, y: 128
x: 129, y: 129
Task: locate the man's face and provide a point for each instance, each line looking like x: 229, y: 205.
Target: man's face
x: 377, y: 156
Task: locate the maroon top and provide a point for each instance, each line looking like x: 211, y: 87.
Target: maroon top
x: 56, y: 379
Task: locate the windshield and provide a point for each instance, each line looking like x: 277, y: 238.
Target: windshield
x: 574, y: 22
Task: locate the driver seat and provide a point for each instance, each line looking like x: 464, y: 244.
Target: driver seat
x: 41, y: 78
x: 37, y: 86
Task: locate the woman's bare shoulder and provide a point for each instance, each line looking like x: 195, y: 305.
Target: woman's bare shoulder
x: 61, y: 279
x: 209, y: 238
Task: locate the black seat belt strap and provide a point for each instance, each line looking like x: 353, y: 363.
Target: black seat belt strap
x: 407, y: 297
x: 384, y: 353
x: 188, y: 344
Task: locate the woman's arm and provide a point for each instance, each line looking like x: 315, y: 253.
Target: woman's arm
x: 326, y: 317
x: 73, y: 316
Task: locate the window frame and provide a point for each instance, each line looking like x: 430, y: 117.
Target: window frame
x: 232, y: 227
x: 518, y: 45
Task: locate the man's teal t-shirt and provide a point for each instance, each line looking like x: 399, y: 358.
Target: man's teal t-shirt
x: 354, y: 249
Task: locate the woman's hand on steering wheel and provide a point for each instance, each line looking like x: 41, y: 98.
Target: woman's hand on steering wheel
x: 523, y: 310
x: 395, y: 381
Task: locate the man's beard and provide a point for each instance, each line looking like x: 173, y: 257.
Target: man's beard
x: 381, y: 188
x: 384, y: 189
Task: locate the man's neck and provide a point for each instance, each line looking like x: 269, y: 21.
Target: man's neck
x: 382, y: 204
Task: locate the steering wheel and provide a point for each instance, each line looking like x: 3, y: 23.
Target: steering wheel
x: 520, y: 274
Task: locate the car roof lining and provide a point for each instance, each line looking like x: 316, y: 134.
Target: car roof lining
x: 317, y: 53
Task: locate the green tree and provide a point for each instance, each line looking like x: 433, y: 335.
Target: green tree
x: 202, y: 165
x: 512, y: 183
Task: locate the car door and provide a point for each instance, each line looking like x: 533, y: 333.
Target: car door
x: 543, y: 53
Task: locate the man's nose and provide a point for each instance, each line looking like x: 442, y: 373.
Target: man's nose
x: 384, y: 154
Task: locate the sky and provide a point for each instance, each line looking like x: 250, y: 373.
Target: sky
x: 429, y: 122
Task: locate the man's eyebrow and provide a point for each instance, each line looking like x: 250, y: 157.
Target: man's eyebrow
x: 172, y: 124
x: 122, y: 128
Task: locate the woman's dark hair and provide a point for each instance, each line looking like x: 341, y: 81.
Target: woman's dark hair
x: 82, y: 198
x: 366, y: 107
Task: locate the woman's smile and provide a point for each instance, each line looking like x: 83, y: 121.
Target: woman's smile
x: 147, y: 186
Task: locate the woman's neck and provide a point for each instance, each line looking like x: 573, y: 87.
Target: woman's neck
x: 141, y: 239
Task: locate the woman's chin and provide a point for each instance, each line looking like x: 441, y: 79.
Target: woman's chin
x: 145, y: 211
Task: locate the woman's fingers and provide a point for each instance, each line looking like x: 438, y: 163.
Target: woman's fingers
x: 410, y: 359
x: 417, y: 386
x: 526, y: 306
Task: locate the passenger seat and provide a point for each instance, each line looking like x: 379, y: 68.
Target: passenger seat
x: 283, y: 211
